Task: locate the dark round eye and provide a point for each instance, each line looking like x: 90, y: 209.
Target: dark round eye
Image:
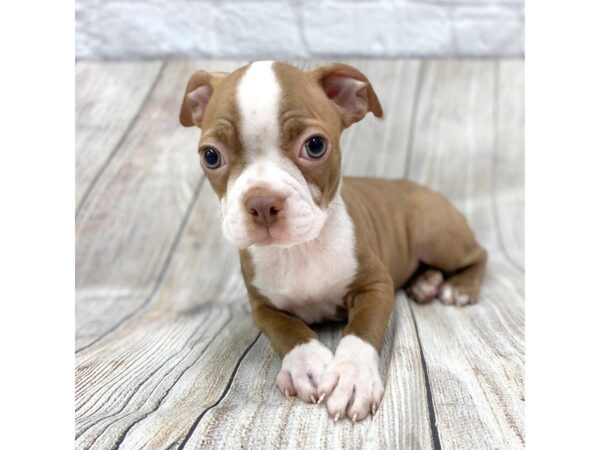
x: 315, y: 147
x: 212, y: 158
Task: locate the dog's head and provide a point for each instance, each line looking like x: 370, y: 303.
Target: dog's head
x: 270, y: 144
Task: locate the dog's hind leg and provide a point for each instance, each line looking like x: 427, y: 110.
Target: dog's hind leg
x: 447, y: 243
x: 462, y: 286
x: 463, y: 265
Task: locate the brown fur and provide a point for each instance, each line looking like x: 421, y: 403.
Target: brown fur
x: 402, y: 225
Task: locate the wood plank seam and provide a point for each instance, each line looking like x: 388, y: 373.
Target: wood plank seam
x: 450, y: 434
x: 82, y: 431
x: 496, y: 126
x: 435, y: 435
x: 156, y: 370
x: 430, y: 407
x: 125, y: 405
x: 124, y: 434
x: 119, y: 144
x: 161, y: 275
x: 225, y: 391
x: 413, y: 120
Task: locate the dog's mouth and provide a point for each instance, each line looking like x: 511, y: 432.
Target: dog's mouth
x: 280, y: 235
x: 275, y: 238
x: 269, y: 240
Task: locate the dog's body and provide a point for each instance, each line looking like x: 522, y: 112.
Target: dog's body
x: 314, y: 247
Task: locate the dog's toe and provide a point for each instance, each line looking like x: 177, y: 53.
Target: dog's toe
x: 426, y: 286
x: 457, y: 295
x: 352, y: 386
x: 302, y: 369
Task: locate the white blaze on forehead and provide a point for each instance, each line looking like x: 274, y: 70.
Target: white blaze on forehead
x: 258, y: 97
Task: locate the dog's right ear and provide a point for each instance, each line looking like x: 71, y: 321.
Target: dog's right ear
x: 197, y: 94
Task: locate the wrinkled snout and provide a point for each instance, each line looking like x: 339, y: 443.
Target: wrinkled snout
x: 270, y: 203
x: 264, y: 207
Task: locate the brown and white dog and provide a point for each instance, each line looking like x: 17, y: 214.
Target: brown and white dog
x: 315, y: 246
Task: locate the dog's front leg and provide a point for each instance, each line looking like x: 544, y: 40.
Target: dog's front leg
x: 304, y: 358
x: 352, y: 383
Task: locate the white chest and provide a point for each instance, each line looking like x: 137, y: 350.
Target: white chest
x: 309, y: 280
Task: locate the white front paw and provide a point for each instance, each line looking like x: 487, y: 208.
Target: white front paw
x: 302, y: 369
x: 351, y: 382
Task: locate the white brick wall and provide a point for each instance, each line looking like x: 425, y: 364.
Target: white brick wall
x: 279, y: 29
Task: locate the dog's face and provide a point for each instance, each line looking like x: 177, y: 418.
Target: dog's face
x: 270, y: 144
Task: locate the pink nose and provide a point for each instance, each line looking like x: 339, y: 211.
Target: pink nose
x: 264, y: 208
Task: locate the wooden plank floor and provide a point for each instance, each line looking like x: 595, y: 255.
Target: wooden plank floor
x: 167, y: 355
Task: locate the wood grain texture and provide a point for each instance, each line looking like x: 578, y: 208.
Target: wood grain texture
x: 474, y: 355
x: 130, y: 222
x: 378, y: 147
x: 509, y: 160
x: 108, y: 99
x: 169, y: 357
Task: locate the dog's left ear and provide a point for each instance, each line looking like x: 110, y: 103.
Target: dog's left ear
x: 349, y: 90
x: 197, y: 94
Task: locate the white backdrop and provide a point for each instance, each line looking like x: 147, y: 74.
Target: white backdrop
x: 145, y: 29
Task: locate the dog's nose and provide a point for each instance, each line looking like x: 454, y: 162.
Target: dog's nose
x: 264, y: 208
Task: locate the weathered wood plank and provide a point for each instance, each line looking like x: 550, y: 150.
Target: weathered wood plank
x: 474, y: 355
x: 159, y: 377
x: 130, y: 222
x: 509, y: 160
x: 163, y: 368
x: 453, y: 128
x: 475, y: 361
x: 108, y: 97
x: 378, y: 147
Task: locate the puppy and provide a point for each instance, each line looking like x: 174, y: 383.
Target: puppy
x: 316, y: 246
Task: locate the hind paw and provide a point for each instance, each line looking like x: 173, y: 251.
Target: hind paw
x: 426, y: 286
x: 458, y: 295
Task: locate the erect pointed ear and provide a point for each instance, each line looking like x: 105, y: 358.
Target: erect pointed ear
x: 349, y: 90
x: 197, y: 94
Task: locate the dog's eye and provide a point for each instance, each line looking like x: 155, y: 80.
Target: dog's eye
x: 212, y: 158
x: 314, y: 147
